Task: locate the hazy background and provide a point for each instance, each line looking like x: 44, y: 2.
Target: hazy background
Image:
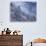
x: 30, y: 30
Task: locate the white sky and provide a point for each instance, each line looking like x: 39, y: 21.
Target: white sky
x: 23, y: 0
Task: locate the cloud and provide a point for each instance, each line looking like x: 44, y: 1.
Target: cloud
x: 23, y: 11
